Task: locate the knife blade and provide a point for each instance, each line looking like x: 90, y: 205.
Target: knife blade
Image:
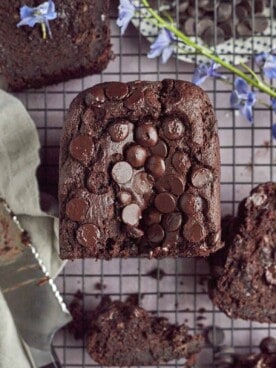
x: 35, y: 303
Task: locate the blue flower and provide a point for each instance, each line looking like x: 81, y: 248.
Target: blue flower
x: 267, y: 62
x: 163, y: 45
x: 243, y: 99
x: 41, y: 14
x: 273, y: 104
x: 126, y: 13
x: 274, y: 131
x: 203, y: 71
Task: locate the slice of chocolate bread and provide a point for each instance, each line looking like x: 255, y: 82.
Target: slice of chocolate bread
x: 139, y: 172
x: 244, y: 271
x: 80, y: 43
x: 122, y: 334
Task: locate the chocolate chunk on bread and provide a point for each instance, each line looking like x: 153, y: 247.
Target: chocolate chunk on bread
x: 80, y: 43
x: 139, y: 172
x: 122, y: 334
x: 244, y: 271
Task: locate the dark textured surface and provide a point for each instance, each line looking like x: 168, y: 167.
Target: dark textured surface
x: 139, y: 172
x: 123, y: 334
x: 244, y: 275
x: 80, y: 43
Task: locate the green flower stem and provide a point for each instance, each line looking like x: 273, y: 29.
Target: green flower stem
x: 253, y: 81
x: 44, y: 33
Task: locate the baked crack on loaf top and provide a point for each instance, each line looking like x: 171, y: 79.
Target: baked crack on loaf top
x: 80, y: 45
x: 126, y: 335
x: 139, y: 172
x: 244, y: 271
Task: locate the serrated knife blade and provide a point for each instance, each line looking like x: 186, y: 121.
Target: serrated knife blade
x: 36, y: 305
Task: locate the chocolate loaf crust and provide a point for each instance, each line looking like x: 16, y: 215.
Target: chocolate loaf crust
x: 244, y: 271
x: 139, y: 172
x: 122, y: 334
x: 80, y: 43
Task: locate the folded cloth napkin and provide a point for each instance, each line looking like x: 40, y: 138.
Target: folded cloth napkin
x: 19, y: 159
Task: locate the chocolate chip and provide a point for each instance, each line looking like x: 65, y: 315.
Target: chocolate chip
x: 213, y: 35
x: 268, y: 345
x: 191, y: 203
x: 76, y: 209
x: 160, y: 149
x: 224, y: 12
x: 97, y: 182
x: 124, y: 197
x: 136, y: 155
x: 211, y: 5
x: 172, y: 183
x: 87, y: 235
x: 122, y: 172
x: 116, y: 90
x: 118, y: 131
x: 173, y: 128
x: 203, y: 25
x: 241, y: 12
x: 243, y: 30
x: 95, y: 95
x: 172, y: 221
x: 146, y: 135
x: 260, y: 23
x: 193, y: 231
x: 259, y: 6
x: 131, y: 214
x: 134, y: 232
x: 201, y: 176
x: 214, y: 335
x: 156, y: 166
x: 155, y: 233
x: 165, y: 202
x: 135, y: 100
x: 181, y: 162
x: 152, y: 216
x: 227, y: 28
x: 270, y: 275
x: 82, y: 148
x: 143, y: 183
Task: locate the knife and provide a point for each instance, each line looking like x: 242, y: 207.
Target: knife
x: 36, y: 305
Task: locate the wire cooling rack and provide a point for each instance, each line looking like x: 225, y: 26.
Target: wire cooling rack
x: 248, y: 157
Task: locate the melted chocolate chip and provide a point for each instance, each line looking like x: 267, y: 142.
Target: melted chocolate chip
x: 268, y: 345
x: 118, y: 131
x: 143, y: 183
x: 160, y: 149
x: 173, y: 128
x: 76, y: 209
x: 136, y: 155
x: 172, y: 183
x: 135, y: 100
x: 152, y: 216
x: 156, y: 166
x: 146, y: 135
x: 88, y: 235
x: 172, y: 221
x: 116, y: 90
x: 95, y: 95
x: 191, y: 203
x: 165, y: 202
x: 131, y: 214
x: 201, y: 176
x: 193, y: 231
x: 155, y: 233
x: 181, y: 162
x: 82, y: 148
x: 122, y: 172
x: 124, y: 198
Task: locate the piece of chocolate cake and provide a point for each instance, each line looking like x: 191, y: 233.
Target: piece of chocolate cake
x: 244, y: 271
x: 139, y: 172
x: 123, y: 334
x: 80, y: 43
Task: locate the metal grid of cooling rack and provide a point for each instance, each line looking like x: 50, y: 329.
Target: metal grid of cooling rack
x: 248, y: 157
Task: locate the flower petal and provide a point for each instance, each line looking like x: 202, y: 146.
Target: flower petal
x: 270, y: 66
x: 273, y: 104
x: 241, y: 86
x: 28, y: 21
x: 247, y: 112
x: 26, y: 11
x: 261, y: 58
x: 251, y: 98
x: 126, y: 13
x: 166, y: 54
x: 235, y: 100
x: 200, y: 74
x: 273, y: 131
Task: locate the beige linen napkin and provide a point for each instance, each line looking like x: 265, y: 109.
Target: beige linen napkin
x: 19, y: 159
